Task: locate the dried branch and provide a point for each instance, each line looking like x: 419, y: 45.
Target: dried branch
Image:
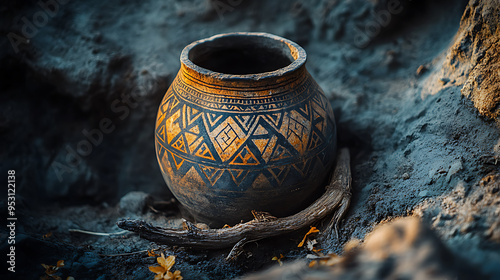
x: 335, y: 199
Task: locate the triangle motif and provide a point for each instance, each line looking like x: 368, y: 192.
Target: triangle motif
x: 245, y: 157
x: 280, y: 153
x: 173, y: 103
x: 261, y: 182
x: 261, y: 144
x: 246, y: 121
x: 238, y: 175
x: 195, y: 129
x: 204, y: 152
x: 180, y: 145
x: 164, y: 106
x: 161, y: 133
x: 315, y: 141
x: 213, y: 118
x: 192, y: 115
x: 260, y: 130
x: 274, y: 119
x: 303, y: 167
x: 160, y: 151
x: 178, y: 161
x: 190, y: 138
x: 213, y: 174
x: 279, y: 173
x: 173, y: 126
x: 305, y: 110
x: 161, y: 117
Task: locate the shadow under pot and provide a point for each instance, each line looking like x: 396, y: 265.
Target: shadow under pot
x: 244, y: 127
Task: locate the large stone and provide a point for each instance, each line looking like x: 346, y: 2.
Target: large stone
x: 474, y: 58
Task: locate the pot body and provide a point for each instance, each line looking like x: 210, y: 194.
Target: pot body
x: 229, y: 146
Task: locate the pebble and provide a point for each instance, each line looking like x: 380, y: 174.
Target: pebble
x: 423, y: 193
x: 454, y: 168
x: 134, y: 202
x: 406, y: 176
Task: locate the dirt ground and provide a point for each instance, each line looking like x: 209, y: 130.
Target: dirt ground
x: 415, y: 90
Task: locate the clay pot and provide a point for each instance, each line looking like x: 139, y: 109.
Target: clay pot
x: 244, y: 127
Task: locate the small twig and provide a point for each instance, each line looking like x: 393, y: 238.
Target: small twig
x: 124, y: 254
x: 130, y: 253
x: 97, y: 233
x: 153, y: 209
x: 238, y: 248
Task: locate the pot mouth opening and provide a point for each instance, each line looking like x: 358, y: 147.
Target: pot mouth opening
x: 243, y: 55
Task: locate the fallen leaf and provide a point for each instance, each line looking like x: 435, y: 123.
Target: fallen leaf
x: 157, y: 269
x: 173, y: 276
x: 163, y: 271
x: 167, y: 263
x: 152, y: 253
x: 50, y: 269
x: 313, y: 263
x: 278, y: 259
x: 311, y: 231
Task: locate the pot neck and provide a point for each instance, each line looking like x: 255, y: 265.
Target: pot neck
x: 243, y: 63
x: 236, y: 85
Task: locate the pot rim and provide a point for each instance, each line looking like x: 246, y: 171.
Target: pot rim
x: 297, y: 52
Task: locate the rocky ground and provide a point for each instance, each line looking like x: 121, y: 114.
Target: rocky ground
x: 415, y: 89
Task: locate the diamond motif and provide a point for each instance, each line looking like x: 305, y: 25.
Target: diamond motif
x: 227, y: 138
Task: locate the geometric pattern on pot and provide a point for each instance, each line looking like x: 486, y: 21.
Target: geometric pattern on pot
x: 242, y: 137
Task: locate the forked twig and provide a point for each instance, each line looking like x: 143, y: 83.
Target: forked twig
x: 335, y: 200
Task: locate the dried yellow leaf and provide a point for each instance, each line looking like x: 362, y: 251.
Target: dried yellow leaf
x: 311, y: 231
x: 173, y: 276
x: 50, y: 269
x: 163, y: 271
x: 167, y: 263
x: 278, y: 259
x: 159, y: 276
x: 157, y: 269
